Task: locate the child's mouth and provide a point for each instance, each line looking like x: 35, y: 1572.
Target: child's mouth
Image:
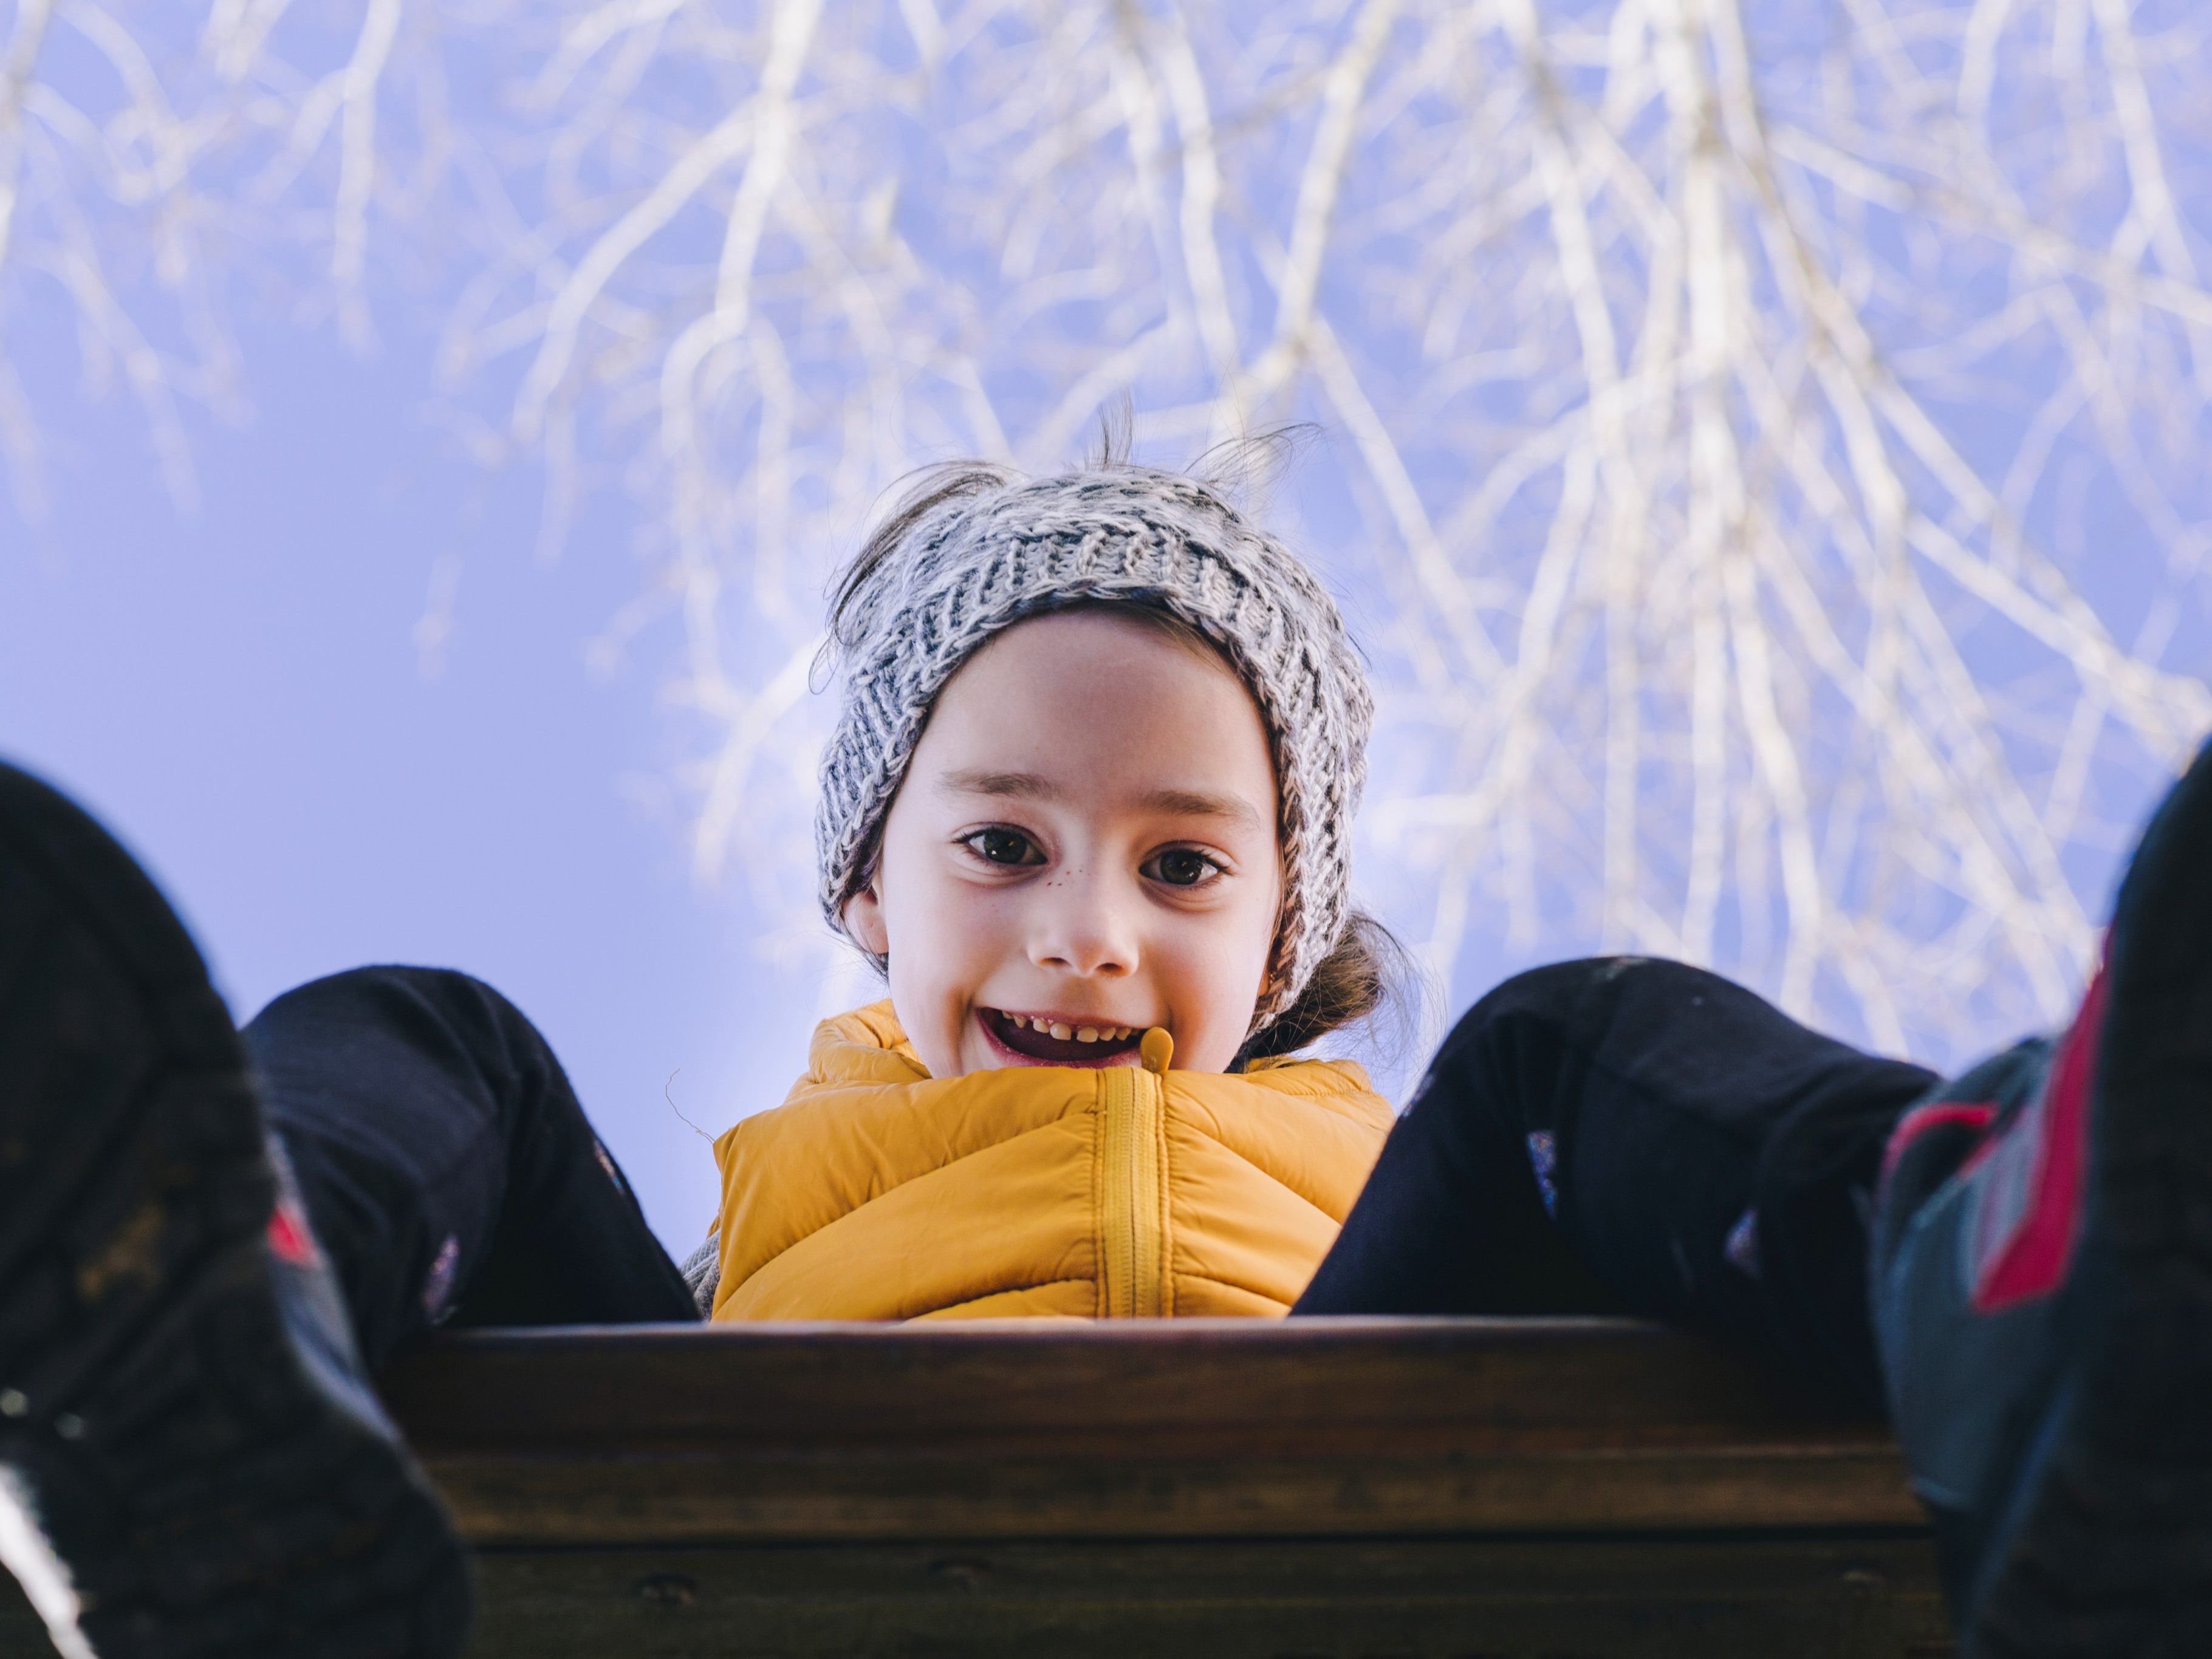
x: 1061, y: 1041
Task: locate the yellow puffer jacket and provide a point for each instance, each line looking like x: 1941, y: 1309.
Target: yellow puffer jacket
x: 878, y: 1192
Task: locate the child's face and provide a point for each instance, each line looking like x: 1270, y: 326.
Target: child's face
x: 1085, y: 837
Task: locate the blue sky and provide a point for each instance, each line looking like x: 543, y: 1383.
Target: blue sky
x: 238, y: 690
x: 238, y: 694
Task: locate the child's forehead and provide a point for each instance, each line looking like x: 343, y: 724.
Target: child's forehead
x: 1096, y: 661
x: 1093, y: 699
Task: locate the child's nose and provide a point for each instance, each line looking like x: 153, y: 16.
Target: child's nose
x: 1085, y: 928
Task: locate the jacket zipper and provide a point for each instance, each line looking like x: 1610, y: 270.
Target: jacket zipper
x: 1132, y: 1208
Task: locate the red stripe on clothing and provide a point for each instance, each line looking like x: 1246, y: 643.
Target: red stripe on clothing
x: 2032, y: 1262
x: 289, y: 1237
x: 1937, y: 1114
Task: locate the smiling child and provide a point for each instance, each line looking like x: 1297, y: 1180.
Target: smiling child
x: 1087, y: 806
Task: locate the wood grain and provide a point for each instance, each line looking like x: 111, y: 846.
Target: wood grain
x: 1776, y: 1597
x: 1593, y: 1599
x: 1342, y: 1489
x: 1170, y: 1428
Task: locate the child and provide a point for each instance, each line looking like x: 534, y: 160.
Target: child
x: 1099, y: 748
x: 1087, y: 805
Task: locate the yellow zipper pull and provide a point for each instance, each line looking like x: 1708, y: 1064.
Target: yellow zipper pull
x: 1157, y: 1049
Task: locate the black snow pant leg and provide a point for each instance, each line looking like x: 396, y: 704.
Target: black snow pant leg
x: 1630, y: 1136
x: 448, y: 1169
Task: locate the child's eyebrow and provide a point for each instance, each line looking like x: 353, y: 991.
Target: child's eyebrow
x: 1028, y: 786
x: 1190, y: 803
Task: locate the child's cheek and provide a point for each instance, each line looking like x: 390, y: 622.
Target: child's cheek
x: 963, y: 937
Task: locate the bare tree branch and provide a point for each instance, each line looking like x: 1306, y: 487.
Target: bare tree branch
x: 1763, y: 454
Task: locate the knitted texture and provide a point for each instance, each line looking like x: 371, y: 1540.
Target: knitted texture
x: 988, y: 560
x: 702, y: 1272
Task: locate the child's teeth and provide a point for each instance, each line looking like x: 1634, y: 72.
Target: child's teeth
x: 1064, y: 1033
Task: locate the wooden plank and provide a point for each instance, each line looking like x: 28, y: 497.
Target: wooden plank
x: 1515, y: 1385
x: 1816, y: 1596
x: 567, y: 1500
x: 1606, y: 1598
x: 1464, y: 1489
x: 1140, y: 1429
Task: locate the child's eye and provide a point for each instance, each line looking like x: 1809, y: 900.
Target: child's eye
x: 1005, y: 846
x: 1180, y: 866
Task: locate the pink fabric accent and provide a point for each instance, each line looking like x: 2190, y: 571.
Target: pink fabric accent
x: 2031, y: 1261
x: 289, y: 1237
x: 1936, y: 1114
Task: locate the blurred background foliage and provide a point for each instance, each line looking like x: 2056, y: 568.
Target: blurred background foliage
x: 1759, y: 444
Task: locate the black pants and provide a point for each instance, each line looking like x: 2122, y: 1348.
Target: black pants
x: 448, y: 1170
x: 1630, y: 1136
x: 1616, y: 1136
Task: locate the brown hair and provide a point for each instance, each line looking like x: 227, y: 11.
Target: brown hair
x: 1364, y: 975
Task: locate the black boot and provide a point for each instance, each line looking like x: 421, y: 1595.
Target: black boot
x: 1630, y: 1136
x: 191, y: 1462
x: 2042, y: 1293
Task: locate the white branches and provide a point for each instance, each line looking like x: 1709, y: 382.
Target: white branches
x: 32, y: 17
x: 356, y: 89
x: 1695, y: 431
x: 572, y: 303
x: 103, y: 217
x: 1764, y: 455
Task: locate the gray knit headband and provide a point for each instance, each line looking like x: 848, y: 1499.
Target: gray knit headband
x: 992, y: 556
